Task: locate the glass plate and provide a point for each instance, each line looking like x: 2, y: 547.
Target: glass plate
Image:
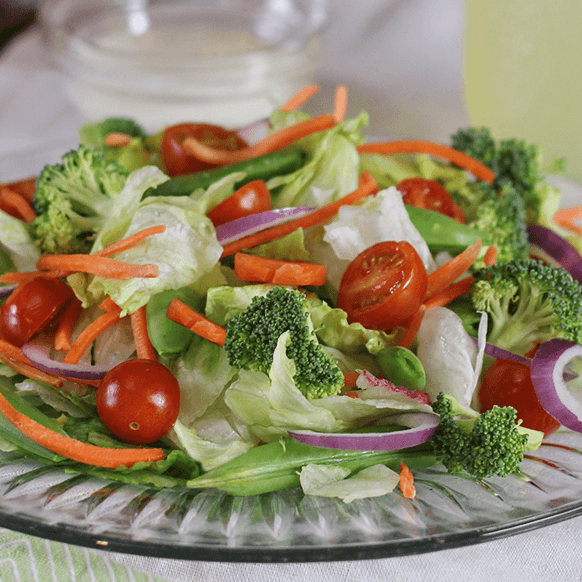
x: 449, y: 510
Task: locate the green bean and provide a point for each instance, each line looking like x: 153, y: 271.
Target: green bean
x: 262, y: 168
x: 402, y: 367
x: 170, y: 339
x: 276, y: 465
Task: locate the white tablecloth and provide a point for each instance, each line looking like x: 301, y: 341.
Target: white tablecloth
x: 402, y: 63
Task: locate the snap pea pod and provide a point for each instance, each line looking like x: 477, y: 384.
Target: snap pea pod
x: 402, y: 367
x: 443, y: 233
x: 262, y: 168
x: 276, y: 465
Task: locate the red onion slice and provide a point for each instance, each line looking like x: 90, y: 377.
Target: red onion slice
x: 254, y: 132
x: 38, y: 354
x: 554, y: 247
x: 421, y: 426
x: 241, y: 227
x: 547, y: 374
x: 497, y: 353
x: 6, y: 290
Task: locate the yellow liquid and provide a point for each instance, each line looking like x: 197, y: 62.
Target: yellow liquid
x: 523, y: 73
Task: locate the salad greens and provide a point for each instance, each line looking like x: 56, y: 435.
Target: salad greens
x: 288, y: 352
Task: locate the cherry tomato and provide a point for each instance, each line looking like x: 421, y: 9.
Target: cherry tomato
x: 178, y: 162
x: 249, y: 199
x: 383, y: 285
x: 508, y: 383
x: 431, y: 195
x: 139, y: 401
x: 31, y: 307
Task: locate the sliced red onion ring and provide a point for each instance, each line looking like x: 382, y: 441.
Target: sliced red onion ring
x: 421, y: 426
x: 241, y: 227
x: 497, y: 353
x: 38, y: 354
x: 547, y: 374
x: 554, y: 247
x: 254, y: 132
x: 6, y: 290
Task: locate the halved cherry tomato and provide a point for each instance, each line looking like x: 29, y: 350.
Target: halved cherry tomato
x: 31, y: 307
x: 431, y: 195
x: 139, y: 401
x: 178, y: 162
x: 383, y: 285
x: 508, y: 383
x: 248, y: 199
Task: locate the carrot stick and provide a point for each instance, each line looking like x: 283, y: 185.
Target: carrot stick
x: 95, y: 265
x: 413, y: 326
x: 340, y: 104
x: 109, y: 305
x: 26, y: 188
x: 118, y: 140
x: 31, y: 372
x: 89, y: 335
x: 571, y: 226
x: 130, y: 241
x: 66, y: 446
x: 566, y: 217
x: 368, y: 187
x: 141, y: 337
x: 448, y: 273
x: 449, y: 294
x: 276, y: 141
x: 350, y: 379
x: 66, y: 325
x: 426, y: 147
x: 23, y: 276
x: 407, y: 482
x: 490, y: 257
x: 179, y: 312
x: 300, y: 98
x: 18, y: 203
x: 12, y: 352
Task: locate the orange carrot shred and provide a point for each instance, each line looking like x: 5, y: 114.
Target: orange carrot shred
x: 12, y: 352
x: 118, y: 140
x: 31, y: 372
x: 490, y: 257
x: 181, y: 313
x: 67, y: 324
x: 73, y: 449
x: 451, y: 293
x: 367, y: 187
x: 413, y: 326
x: 141, y: 337
x: 23, y: 276
x: 300, y: 98
x: 130, y: 241
x: 109, y: 305
x: 454, y: 156
x: 350, y: 378
x: 407, y: 482
x: 340, y: 104
x: 26, y: 188
x: 566, y: 218
x: 18, y: 203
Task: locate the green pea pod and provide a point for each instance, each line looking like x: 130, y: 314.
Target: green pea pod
x: 170, y: 339
x: 443, y: 233
x: 402, y: 367
x: 276, y: 465
x: 261, y: 168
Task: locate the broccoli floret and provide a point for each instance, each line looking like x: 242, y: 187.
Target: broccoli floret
x: 251, y: 339
x: 499, y: 216
x: 482, y: 444
x: 514, y: 162
x: 528, y: 302
x: 73, y: 199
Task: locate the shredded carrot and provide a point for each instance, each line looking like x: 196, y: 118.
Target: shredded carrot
x: 67, y: 324
x: 130, y: 241
x: 31, y: 372
x: 454, y: 156
x: 109, y: 305
x: 89, y: 335
x: 181, y: 313
x: 300, y: 98
x: 95, y: 265
x: 94, y: 383
x: 73, y: 449
x: 490, y: 257
x: 18, y: 203
x: 141, y: 337
x: 350, y: 378
x: 275, y: 141
x: 368, y: 187
x: 12, y: 352
x: 571, y: 226
x: 566, y: 218
x: 448, y: 273
x: 118, y: 140
x: 340, y: 104
x: 26, y: 188
x: 451, y: 293
x: 414, y: 324
x: 352, y: 394
x: 407, y: 482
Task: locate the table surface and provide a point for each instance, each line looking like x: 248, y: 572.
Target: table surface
x: 407, y: 74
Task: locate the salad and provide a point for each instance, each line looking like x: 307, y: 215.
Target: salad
x: 205, y: 308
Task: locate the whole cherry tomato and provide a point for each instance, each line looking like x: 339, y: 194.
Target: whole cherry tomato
x: 31, y: 307
x: 139, y: 401
x: 249, y: 199
x: 383, y: 286
x: 508, y: 383
x: 429, y: 194
x: 178, y: 162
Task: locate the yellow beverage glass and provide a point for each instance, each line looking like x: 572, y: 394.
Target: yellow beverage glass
x: 523, y: 73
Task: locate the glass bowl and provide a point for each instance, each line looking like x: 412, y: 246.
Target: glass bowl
x: 228, y: 62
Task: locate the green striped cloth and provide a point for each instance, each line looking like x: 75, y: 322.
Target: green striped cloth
x: 28, y: 559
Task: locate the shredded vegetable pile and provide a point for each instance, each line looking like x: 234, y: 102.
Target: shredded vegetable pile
x: 204, y: 308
